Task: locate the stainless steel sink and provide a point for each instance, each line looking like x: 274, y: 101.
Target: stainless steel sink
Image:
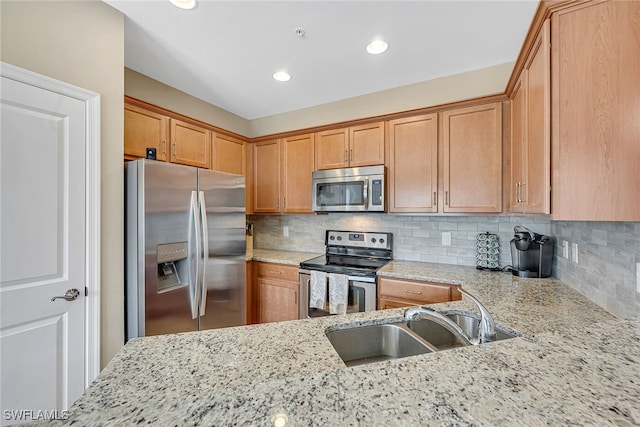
x: 358, y: 345
x: 374, y: 343
x: 443, y: 339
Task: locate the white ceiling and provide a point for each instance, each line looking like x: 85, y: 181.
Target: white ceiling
x: 225, y: 52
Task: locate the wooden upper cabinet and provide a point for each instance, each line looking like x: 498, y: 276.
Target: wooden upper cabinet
x: 413, y: 164
x: 190, y: 144
x: 349, y: 147
x: 518, y: 148
x: 266, y: 177
x: 297, y: 166
x: 142, y: 129
x: 228, y: 154
x: 366, y: 145
x: 472, y: 153
x: 596, y: 124
x: 332, y: 149
x: 531, y: 131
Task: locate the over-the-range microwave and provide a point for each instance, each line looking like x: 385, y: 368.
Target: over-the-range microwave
x: 349, y: 190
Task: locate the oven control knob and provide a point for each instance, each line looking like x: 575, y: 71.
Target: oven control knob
x: 339, y: 237
x: 381, y: 240
x: 332, y: 237
x: 373, y: 240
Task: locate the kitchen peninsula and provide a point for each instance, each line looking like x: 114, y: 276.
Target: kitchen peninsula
x: 575, y: 364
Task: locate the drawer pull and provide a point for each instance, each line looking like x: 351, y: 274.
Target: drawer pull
x: 275, y: 272
x: 413, y: 292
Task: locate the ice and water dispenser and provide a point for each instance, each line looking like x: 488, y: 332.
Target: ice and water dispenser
x: 172, y: 261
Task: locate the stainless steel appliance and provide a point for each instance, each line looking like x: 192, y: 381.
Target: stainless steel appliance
x: 185, y: 249
x: 531, y: 253
x: 359, y: 255
x: 349, y: 190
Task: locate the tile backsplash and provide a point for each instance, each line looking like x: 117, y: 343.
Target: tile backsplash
x: 608, y: 252
x: 416, y: 238
x: 607, y: 268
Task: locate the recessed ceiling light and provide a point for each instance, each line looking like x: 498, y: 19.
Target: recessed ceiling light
x: 282, y: 76
x: 185, y: 4
x: 377, y: 47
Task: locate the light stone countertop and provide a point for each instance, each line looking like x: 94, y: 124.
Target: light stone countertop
x: 575, y: 364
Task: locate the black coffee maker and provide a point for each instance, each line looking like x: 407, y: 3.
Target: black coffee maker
x: 531, y: 253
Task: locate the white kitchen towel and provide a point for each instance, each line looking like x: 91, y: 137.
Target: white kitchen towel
x: 318, y: 289
x: 338, y: 293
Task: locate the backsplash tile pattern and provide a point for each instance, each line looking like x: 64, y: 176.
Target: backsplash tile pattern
x: 605, y: 273
x: 607, y: 256
x: 416, y: 238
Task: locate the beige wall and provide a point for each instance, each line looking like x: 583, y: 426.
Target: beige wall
x: 152, y: 91
x: 82, y: 43
x: 457, y: 87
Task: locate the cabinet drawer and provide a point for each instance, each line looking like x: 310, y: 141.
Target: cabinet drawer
x: 278, y: 271
x: 420, y: 292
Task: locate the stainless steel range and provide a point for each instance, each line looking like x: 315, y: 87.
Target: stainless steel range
x: 356, y: 255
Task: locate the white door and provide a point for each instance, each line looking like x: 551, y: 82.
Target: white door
x: 43, y: 252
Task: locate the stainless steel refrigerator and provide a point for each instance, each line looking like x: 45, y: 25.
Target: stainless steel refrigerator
x: 185, y: 249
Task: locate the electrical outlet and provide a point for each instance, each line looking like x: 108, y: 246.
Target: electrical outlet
x: 446, y: 238
x: 574, y: 252
x: 285, y: 231
x: 565, y: 249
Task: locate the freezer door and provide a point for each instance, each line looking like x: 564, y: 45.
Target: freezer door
x: 161, y: 291
x: 223, y: 300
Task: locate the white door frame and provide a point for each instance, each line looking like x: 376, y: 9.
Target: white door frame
x: 92, y: 208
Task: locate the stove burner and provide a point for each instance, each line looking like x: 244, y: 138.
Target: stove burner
x: 353, y: 253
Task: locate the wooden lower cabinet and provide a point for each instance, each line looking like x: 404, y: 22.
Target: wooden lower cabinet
x: 395, y: 293
x: 277, y: 287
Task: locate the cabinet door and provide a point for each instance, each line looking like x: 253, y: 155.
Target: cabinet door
x: 142, y: 129
x: 266, y: 179
x: 332, y: 149
x: 228, y: 154
x: 472, y: 150
x: 278, y: 301
x: 190, y: 144
x: 413, y: 164
x: 596, y: 88
x: 297, y: 165
x: 518, y: 144
x: 366, y: 145
x: 536, y: 188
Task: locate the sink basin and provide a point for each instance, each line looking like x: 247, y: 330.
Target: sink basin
x: 358, y: 345
x: 444, y: 339
x: 375, y: 343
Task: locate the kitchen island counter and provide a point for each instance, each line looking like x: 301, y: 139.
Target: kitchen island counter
x: 576, y: 364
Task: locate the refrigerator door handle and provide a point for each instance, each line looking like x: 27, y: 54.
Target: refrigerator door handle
x: 194, y: 281
x: 205, y: 253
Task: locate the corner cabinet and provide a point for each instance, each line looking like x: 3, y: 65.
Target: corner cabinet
x: 531, y: 131
x: 282, y: 175
x: 472, y: 159
x: 396, y: 293
x: 350, y: 147
x: 413, y: 164
x: 596, y: 120
x: 277, y: 287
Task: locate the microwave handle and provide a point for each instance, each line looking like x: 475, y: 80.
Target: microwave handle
x: 365, y: 192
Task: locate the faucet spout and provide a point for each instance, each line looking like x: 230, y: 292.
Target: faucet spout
x: 413, y: 313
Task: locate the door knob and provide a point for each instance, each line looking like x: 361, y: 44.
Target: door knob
x: 70, y: 295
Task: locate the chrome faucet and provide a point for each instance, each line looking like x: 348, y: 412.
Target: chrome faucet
x: 486, y: 329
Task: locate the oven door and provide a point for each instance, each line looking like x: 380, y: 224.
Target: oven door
x: 362, y: 296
